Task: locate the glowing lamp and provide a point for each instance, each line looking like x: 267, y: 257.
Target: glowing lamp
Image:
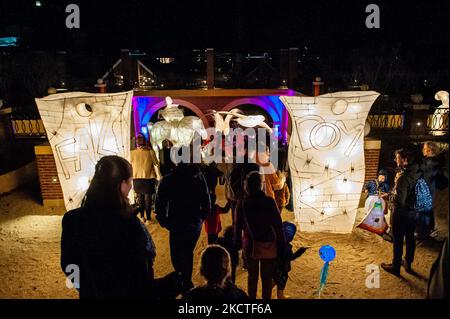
x: 82, y: 128
x: 326, y: 156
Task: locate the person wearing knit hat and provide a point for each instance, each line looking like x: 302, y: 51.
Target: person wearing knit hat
x: 283, y: 264
x: 378, y: 186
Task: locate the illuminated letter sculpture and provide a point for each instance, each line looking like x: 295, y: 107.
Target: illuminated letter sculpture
x: 82, y: 128
x: 326, y: 158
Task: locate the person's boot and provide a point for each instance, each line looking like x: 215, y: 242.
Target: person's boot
x: 407, y: 267
x: 390, y: 268
x: 281, y: 295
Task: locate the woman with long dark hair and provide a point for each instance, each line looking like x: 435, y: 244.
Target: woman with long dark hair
x: 259, y: 229
x: 106, y: 241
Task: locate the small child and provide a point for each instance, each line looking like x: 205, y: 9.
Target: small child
x: 378, y: 186
x: 213, y: 225
x: 227, y: 242
x: 283, y: 263
x: 282, y: 194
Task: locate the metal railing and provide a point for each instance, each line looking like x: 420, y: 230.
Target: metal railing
x: 437, y: 123
x: 386, y: 121
x: 27, y: 126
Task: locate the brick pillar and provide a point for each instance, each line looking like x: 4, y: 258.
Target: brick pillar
x: 316, y: 85
x: 372, y: 150
x: 51, y: 191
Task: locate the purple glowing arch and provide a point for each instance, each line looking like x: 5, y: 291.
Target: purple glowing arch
x: 144, y: 107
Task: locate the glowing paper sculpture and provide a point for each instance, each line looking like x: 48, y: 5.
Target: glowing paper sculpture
x: 82, y: 128
x: 439, y: 124
x: 176, y: 127
x: 223, y: 125
x: 326, y: 158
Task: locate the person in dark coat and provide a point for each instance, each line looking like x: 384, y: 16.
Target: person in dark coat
x: 165, y: 161
x: 108, y: 243
x: 258, y: 220
x: 216, y: 269
x: 182, y: 204
x: 403, y: 211
x: 435, y: 178
x: 438, y: 282
x: 212, y: 174
x: 227, y: 242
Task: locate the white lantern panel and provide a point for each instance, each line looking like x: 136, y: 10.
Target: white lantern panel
x: 326, y: 158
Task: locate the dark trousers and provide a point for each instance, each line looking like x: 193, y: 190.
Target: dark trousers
x: 403, y: 226
x: 182, y: 245
x: 267, y: 268
x: 144, y: 188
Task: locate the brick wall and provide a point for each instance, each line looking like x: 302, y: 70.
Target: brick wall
x: 48, y: 177
x: 372, y: 150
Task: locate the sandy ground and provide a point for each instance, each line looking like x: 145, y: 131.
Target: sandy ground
x: 30, y: 254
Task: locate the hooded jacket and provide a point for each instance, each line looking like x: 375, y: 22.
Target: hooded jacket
x: 404, y: 194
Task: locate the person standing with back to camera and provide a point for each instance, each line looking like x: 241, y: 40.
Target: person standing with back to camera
x: 259, y: 225
x: 435, y: 178
x: 111, y: 247
x: 145, y: 176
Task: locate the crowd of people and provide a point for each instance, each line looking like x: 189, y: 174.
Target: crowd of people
x: 110, y: 243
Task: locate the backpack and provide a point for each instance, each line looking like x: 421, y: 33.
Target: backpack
x: 424, y: 200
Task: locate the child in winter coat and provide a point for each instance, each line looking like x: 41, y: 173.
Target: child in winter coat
x: 283, y: 264
x: 213, y: 225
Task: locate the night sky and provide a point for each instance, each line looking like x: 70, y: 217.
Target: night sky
x: 230, y: 25
x: 333, y: 29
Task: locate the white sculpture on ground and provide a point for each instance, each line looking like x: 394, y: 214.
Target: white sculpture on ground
x: 176, y: 127
x: 326, y: 158
x: 82, y: 128
x: 439, y: 124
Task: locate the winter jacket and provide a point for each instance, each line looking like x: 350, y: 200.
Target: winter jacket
x: 211, y: 173
x: 166, y: 164
x: 183, y: 201
x: 374, y: 187
x: 111, y: 252
x: 282, y: 197
x: 271, y: 183
x: 438, y: 282
x: 433, y: 174
x: 145, y: 164
x: 259, y: 219
x: 404, y: 194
